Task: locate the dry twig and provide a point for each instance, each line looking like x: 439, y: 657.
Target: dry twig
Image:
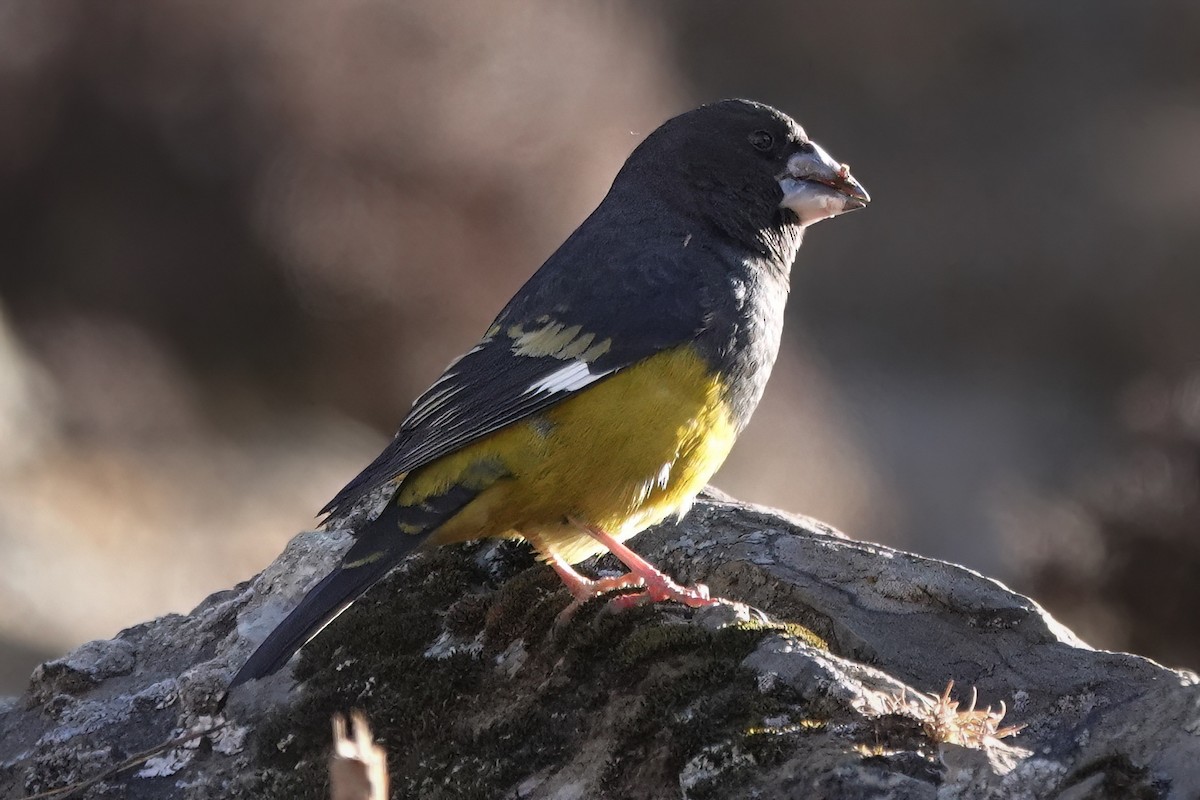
x: 358, y: 766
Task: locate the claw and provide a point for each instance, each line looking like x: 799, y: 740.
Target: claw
x: 664, y: 589
x: 584, y: 590
x: 656, y: 586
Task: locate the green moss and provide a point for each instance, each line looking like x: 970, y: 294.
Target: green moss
x: 699, y: 697
x: 745, y: 636
x: 654, y: 641
x: 310, y: 780
x: 524, y: 608
x: 458, y: 728
x: 770, y: 746
x: 372, y: 657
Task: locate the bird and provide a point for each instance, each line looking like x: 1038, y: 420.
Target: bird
x: 611, y: 387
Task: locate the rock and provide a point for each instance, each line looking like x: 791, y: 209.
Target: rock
x: 85, y: 667
x: 829, y: 685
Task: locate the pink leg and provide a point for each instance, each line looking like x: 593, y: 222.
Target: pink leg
x: 584, y: 589
x: 659, y: 586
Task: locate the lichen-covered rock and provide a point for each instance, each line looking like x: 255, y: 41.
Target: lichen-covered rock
x: 828, y: 687
x: 87, y: 666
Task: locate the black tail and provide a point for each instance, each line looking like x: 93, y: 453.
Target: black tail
x: 320, y: 606
x: 380, y: 547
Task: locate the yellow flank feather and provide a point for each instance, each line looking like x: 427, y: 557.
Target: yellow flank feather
x: 622, y: 455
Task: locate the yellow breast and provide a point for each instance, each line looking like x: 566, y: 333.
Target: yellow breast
x: 622, y: 455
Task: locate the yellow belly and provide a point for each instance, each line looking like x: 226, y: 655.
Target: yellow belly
x: 622, y: 455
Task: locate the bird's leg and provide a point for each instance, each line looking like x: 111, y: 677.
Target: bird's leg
x: 658, y: 585
x: 584, y: 589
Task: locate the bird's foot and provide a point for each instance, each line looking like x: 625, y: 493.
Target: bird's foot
x: 658, y: 585
x: 659, y: 588
x: 602, y: 586
x: 655, y: 586
x: 585, y: 589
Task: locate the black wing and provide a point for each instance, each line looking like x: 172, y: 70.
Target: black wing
x: 561, y: 333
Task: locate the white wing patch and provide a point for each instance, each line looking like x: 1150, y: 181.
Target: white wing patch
x: 433, y: 401
x: 571, y: 378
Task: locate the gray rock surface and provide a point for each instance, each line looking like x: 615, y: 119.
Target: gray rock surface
x: 829, y: 692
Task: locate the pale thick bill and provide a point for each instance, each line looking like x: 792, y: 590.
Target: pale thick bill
x: 816, y: 187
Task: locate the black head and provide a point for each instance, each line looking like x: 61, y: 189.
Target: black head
x: 746, y: 169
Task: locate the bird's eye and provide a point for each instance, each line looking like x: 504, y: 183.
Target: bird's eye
x: 762, y: 140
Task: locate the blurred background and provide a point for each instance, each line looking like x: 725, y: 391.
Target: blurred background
x: 236, y: 240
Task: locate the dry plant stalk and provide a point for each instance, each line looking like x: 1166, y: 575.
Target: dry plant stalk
x: 358, y: 766
x: 969, y: 728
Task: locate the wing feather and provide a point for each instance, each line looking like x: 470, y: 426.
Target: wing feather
x: 540, y: 351
x: 484, y: 391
